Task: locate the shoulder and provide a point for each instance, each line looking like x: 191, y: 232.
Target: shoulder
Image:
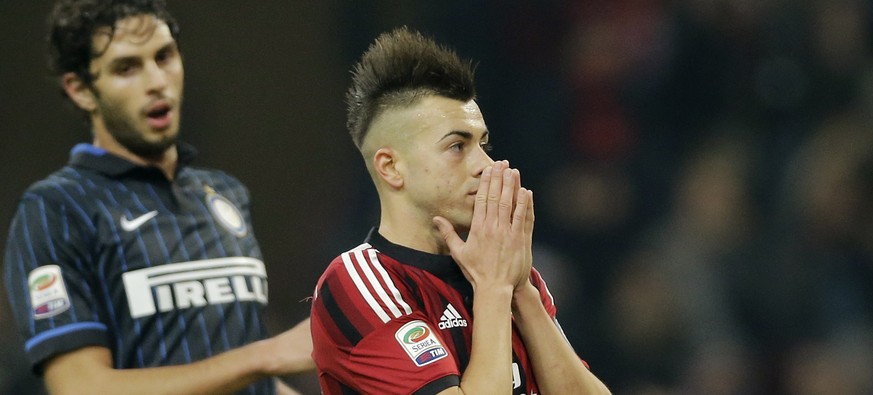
x: 223, y: 182
x: 360, y: 283
x: 347, y: 269
x: 361, y: 263
x: 67, y: 191
x: 213, y: 175
x: 67, y: 181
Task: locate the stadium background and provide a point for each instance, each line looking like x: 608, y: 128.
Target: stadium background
x: 703, y: 168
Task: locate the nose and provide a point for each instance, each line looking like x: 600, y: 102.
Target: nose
x: 482, y: 161
x: 156, y: 77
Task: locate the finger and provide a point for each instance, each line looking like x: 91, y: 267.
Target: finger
x: 507, y: 195
x: 529, y: 216
x: 479, y: 207
x: 517, y: 189
x: 453, y: 241
x: 494, y: 189
x: 520, y: 214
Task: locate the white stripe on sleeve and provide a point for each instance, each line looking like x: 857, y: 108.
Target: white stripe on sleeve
x: 397, y: 296
x: 365, y: 267
x: 362, y: 288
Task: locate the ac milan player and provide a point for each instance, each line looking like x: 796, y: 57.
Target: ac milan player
x: 418, y: 308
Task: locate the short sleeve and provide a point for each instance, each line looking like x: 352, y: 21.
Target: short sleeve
x: 370, y: 336
x: 49, y: 288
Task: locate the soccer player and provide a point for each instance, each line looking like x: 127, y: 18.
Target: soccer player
x: 441, y: 298
x: 129, y: 270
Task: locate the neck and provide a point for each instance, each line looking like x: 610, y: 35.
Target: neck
x: 411, y: 229
x: 167, y: 161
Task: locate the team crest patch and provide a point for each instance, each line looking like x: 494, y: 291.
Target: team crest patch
x: 48, y: 294
x: 227, y: 214
x: 420, y: 343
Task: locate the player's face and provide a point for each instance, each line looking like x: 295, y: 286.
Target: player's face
x: 446, y: 154
x: 137, y: 86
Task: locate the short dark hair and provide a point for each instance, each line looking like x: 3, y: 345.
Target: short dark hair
x: 73, y: 23
x: 399, y: 68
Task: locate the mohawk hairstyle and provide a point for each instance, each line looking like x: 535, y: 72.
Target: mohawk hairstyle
x: 397, y: 70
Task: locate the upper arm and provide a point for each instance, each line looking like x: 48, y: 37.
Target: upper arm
x: 51, y: 294
x: 366, y: 326
x: 76, y: 371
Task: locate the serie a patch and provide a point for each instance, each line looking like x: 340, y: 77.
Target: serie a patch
x: 420, y: 343
x: 48, y: 294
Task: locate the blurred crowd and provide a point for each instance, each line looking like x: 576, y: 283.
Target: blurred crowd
x: 703, y: 177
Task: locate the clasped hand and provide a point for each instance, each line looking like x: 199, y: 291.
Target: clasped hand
x: 497, y: 251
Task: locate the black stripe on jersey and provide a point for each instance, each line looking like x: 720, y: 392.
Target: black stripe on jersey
x: 346, y: 390
x: 416, y: 291
x: 435, y: 387
x: 336, y: 314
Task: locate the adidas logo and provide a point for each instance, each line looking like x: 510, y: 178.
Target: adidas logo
x: 451, y: 318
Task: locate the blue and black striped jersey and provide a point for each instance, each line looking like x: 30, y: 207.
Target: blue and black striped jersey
x: 105, y: 252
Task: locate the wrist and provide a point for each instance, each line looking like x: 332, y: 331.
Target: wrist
x: 494, y: 295
x: 525, y: 294
x: 259, y: 352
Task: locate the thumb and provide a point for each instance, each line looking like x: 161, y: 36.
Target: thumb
x: 448, y: 232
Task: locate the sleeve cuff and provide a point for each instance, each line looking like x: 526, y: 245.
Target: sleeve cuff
x: 63, y: 339
x: 436, y: 386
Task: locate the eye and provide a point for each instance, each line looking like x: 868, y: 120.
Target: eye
x: 164, y: 55
x: 457, y: 146
x: 486, y: 146
x: 125, y: 68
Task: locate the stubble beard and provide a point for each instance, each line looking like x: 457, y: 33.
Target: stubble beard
x: 123, y: 129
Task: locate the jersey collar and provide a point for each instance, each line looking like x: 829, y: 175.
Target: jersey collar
x: 94, y: 158
x: 442, y: 266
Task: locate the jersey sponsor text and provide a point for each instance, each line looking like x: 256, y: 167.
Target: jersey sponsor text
x: 195, y: 284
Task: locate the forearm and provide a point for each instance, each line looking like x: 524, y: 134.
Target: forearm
x: 489, y: 370
x: 556, y: 366
x: 226, y: 373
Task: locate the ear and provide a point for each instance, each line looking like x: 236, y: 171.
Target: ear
x: 387, y: 166
x: 79, y: 92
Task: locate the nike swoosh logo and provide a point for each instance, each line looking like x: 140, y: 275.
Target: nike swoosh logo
x: 129, y: 225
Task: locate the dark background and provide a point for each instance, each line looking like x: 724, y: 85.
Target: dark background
x: 703, y: 170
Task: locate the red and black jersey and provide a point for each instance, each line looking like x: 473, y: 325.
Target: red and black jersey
x: 387, y: 319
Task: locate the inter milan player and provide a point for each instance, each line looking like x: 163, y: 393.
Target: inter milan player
x: 129, y: 270
x: 416, y: 308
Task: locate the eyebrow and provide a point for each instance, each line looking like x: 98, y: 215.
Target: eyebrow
x: 170, y: 46
x: 464, y: 134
